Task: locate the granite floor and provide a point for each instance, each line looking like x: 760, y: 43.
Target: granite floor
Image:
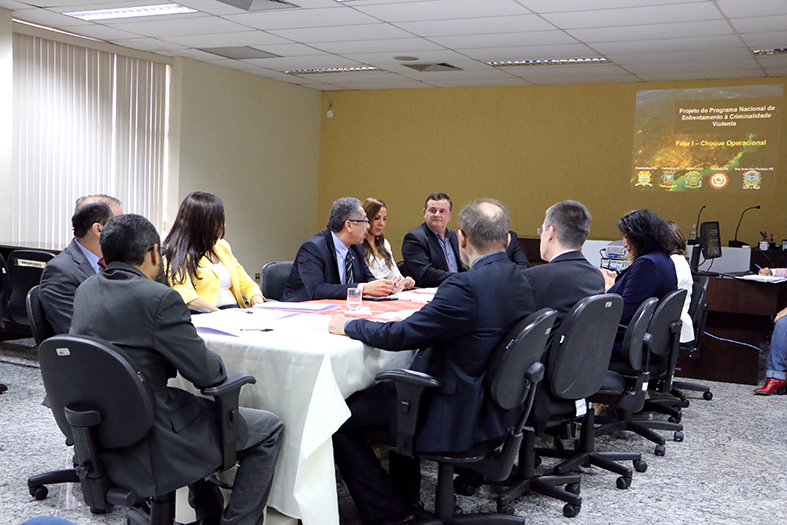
x: 730, y: 468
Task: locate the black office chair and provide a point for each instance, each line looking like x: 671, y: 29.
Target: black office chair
x: 102, y: 403
x: 24, y: 271
x: 39, y: 324
x: 4, y: 290
x: 274, y: 279
x: 661, y: 355
x: 698, y: 310
x: 513, y: 373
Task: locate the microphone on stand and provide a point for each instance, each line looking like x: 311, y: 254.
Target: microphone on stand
x: 735, y: 243
x: 696, y: 240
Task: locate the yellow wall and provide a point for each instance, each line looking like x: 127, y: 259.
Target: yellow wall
x: 255, y: 143
x: 528, y: 146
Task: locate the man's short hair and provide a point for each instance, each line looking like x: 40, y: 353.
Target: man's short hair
x: 87, y: 215
x: 88, y: 199
x: 571, y: 220
x: 485, y: 223
x: 342, y: 210
x: 439, y: 197
x: 128, y: 238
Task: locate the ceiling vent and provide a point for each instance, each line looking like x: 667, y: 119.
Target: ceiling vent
x: 239, y: 52
x: 259, y: 5
x: 431, y: 68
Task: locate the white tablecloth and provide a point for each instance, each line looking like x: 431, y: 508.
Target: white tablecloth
x: 303, y: 375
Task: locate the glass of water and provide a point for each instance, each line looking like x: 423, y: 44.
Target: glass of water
x: 354, y: 299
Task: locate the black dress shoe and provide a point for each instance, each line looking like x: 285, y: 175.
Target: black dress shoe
x: 410, y: 518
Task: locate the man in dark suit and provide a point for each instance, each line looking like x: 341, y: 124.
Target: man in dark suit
x: 148, y: 320
x: 332, y: 261
x: 431, y: 251
x: 78, y: 261
x: 568, y: 277
x: 515, y: 252
x: 469, y: 315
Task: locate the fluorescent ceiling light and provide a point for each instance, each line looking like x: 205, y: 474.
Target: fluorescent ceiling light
x: 47, y: 28
x: 317, y: 71
x: 775, y: 51
x: 131, y: 12
x: 548, y: 62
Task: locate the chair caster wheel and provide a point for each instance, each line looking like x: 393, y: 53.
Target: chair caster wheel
x: 466, y: 485
x: 505, y: 509
x: 573, y: 488
x: 707, y: 396
x: 623, y: 482
x: 39, y: 492
x: 674, y: 419
x: 570, y: 510
x: 660, y: 450
x: 640, y: 466
x: 537, y: 462
x: 458, y: 511
x: 678, y: 436
x: 685, y: 403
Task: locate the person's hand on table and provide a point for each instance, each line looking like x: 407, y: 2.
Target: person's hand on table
x: 336, y: 324
x: 398, y: 284
x: 609, y: 278
x: 378, y: 288
x: 409, y: 283
x: 766, y: 271
x: 781, y: 314
x: 256, y: 299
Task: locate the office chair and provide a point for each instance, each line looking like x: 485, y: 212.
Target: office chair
x: 102, y: 404
x: 698, y: 310
x: 39, y: 324
x: 274, y: 279
x: 660, y: 357
x: 513, y: 373
x: 4, y: 290
x: 24, y: 271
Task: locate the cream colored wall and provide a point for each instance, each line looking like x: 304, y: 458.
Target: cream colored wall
x: 6, y: 123
x: 528, y: 146
x: 255, y: 143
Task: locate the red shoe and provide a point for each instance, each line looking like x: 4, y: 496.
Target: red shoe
x: 772, y: 386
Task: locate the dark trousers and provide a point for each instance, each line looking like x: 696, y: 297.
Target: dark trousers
x: 376, y: 493
x: 257, y: 462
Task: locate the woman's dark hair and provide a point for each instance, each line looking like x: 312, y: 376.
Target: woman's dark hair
x: 198, y: 226
x: 677, y: 240
x: 646, y: 232
x: 372, y: 207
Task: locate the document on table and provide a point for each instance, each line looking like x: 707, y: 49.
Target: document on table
x: 419, y: 295
x: 237, y: 322
x: 300, y: 307
x: 762, y: 278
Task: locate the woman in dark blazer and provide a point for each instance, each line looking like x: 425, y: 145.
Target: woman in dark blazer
x: 646, y: 237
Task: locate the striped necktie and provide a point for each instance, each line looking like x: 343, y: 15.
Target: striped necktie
x: 348, y: 268
x: 102, y: 265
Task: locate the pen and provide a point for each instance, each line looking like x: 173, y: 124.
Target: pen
x: 256, y: 329
x: 758, y: 266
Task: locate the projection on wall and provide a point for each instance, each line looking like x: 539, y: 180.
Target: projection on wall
x: 707, y: 140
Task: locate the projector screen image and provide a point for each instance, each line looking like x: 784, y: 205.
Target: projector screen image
x: 707, y: 140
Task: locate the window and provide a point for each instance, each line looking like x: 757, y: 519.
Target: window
x: 86, y: 121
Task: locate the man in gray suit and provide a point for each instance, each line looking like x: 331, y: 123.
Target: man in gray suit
x: 78, y: 261
x: 125, y: 305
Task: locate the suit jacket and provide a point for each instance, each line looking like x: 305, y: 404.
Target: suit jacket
x: 315, y: 275
x: 205, y: 283
x: 425, y: 259
x: 461, y: 328
x: 59, y: 281
x: 151, y: 323
x: 650, y: 275
x: 516, y: 253
x: 563, y: 282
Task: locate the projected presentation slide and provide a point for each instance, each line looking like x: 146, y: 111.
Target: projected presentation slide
x: 710, y: 139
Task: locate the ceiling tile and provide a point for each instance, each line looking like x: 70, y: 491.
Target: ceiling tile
x: 668, y: 44
x: 531, y: 53
x: 49, y: 18
x: 551, y: 6
x: 441, y: 10
x: 646, y: 32
x: 505, y: 24
x: 677, y: 56
x: 777, y: 72
x: 597, y: 70
x: 731, y: 65
x: 773, y: 61
x: 534, y: 38
x: 396, y: 84
x: 239, y: 38
x: 586, y: 79
x: 153, y: 44
x: 297, y: 19
x: 394, y: 46
x: 13, y: 4
x: 509, y: 81
x: 444, y: 55
x: 110, y: 34
x: 760, y: 24
x: 342, y: 33
x: 307, y: 62
x: 738, y: 9
x: 636, y: 16
x: 701, y: 75
x: 776, y: 39
x: 199, y: 25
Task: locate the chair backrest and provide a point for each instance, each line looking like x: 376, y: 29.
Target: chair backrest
x: 39, y: 324
x: 274, y: 279
x: 581, y: 348
x: 88, y: 374
x: 24, y: 271
x: 698, y: 311
x: 637, y: 332
x: 663, y: 323
x: 4, y: 288
x: 506, y: 377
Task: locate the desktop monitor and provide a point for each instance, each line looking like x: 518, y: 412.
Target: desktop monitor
x: 710, y: 244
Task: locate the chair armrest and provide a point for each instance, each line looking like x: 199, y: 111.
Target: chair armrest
x: 226, y: 395
x: 410, y: 385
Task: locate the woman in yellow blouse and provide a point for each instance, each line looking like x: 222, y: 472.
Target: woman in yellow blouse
x: 200, y: 264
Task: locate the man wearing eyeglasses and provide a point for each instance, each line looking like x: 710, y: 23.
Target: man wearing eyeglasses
x: 431, y: 251
x: 332, y: 261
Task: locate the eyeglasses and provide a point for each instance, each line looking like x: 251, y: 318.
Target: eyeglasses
x: 359, y: 220
x: 539, y: 231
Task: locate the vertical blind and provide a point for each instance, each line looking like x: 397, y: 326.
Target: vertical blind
x: 85, y: 122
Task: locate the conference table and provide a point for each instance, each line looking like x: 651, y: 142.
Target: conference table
x: 303, y: 374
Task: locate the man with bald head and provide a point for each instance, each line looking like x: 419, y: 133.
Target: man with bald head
x: 458, y: 330
x: 78, y: 261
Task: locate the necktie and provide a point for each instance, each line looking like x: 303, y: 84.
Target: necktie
x: 348, y: 269
x: 102, y: 264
